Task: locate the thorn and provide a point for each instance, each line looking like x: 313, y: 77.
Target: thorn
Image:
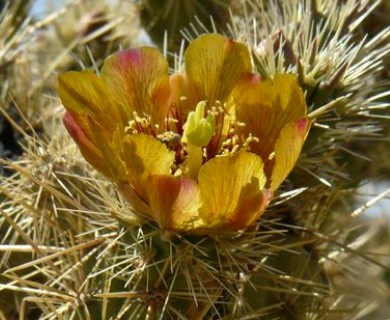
x: 301, y: 71
x: 321, y: 110
x: 283, y: 45
x: 313, y: 51
x: 344, y: 27
x: 335, y: 79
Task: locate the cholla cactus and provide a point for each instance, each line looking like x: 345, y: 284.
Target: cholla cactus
x: 231, y: 119
x: 164, y: 23
x: 94, y: 29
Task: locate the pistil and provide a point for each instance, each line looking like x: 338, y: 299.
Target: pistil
x: 198, y: 131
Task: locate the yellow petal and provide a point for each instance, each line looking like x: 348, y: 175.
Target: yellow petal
x: 170, y: 201
x: 144, y: 156
x: 287, y: 150
x: 138, y: 80
x: 266, y: 107
x: 213, y: 64
x: 110, y: 146
x: 84, y: 93
x: 92, y: 119
x: 232, y: 191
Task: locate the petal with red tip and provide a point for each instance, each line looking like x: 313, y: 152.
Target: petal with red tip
x: 88, y: 149
x: 138, y: 80
x: 232, y: 191
x: 175, y: 202
x: 266, y: 107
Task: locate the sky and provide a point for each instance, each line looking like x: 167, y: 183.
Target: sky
x: 42, y: 7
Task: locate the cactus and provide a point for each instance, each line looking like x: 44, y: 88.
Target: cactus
x: 76, y: 245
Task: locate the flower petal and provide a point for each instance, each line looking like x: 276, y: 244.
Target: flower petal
x: 287, y: 150
x: 92, y: 119
x: 145, y: 156
x: 110, y: 145
x: 232, y: 191
x: 266, y: 107
x: 88, y: 149
x: 213, y: 65
x: 84, y: 93
x: 138, y: 80
x: 140, y: 207
x: 175, y: 202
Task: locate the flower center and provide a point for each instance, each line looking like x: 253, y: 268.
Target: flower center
x: 205, y: 134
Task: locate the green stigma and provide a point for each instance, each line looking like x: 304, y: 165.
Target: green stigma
x: 198, y: 130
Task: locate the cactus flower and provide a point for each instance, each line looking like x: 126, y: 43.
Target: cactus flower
x: 196, y: 151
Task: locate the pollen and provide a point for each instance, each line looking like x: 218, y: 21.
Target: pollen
x: 140, y: 125
x: 271, y: 155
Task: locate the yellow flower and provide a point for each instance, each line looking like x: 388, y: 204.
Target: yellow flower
x: 197, y: 151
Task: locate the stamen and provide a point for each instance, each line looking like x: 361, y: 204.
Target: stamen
x: 141, y: 125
